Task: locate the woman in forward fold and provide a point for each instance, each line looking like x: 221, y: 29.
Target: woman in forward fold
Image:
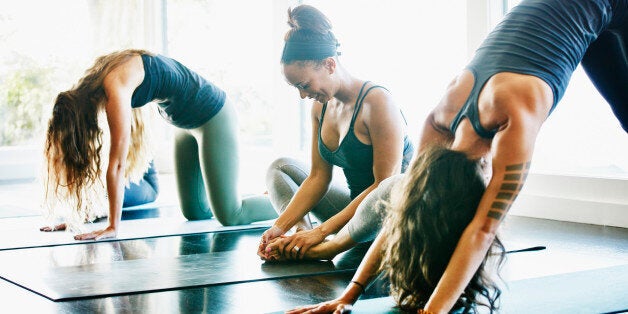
x: 356, y: 126
x: 206, y: 142
x: 493, y: 110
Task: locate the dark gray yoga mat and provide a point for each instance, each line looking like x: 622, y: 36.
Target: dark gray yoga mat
x: 24, y: 232
x: 158, y: 273
x: 602, y: 290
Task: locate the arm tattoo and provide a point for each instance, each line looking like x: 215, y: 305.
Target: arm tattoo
x: 511, y: 184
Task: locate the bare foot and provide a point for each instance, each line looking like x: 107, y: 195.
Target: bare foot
x: 59, y: 227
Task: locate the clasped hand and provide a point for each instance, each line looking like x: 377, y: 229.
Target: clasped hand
x: 291, y: 247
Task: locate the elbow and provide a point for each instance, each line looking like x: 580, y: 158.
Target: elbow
x: 116, y: 167
x: 484, y: 233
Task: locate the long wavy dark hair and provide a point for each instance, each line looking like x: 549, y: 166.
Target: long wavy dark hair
x: 74, y: 142
x: 436, y: 201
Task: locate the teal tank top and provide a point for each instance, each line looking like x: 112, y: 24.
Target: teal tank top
x: 185, y: 99
x: 354, y: 157
x: 543, y: 38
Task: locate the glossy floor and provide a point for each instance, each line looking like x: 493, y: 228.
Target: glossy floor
x: 570, y: 249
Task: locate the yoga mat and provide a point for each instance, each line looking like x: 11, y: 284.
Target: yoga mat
x: 20, y: 233
x: 150, y: 274
x: 594, y: 291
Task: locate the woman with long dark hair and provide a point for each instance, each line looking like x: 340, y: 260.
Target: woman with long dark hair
x: 428, y: 210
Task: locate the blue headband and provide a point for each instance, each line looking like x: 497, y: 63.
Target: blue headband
x: 307, y: 50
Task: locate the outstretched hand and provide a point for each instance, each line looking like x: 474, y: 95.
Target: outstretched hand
x: 334, y: 306
x: 59, y: 227
x: 109, y: 232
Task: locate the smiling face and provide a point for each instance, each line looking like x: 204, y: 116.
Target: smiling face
x: 313, y: 80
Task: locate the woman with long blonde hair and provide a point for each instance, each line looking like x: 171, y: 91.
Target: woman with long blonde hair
x: 206, y: 144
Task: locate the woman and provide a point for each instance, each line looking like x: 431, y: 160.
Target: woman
x: 355, y: 125
x: 206, y: 146
x: 423, y: 215
x: 496, y: 106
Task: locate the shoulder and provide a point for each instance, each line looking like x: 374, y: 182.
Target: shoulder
x: 316, y: 110
x: 379, y: 101
x: 377, y: 94
x: 510, y: 97
x: 126, y: 76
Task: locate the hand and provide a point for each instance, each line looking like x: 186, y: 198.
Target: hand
x: 59, y: 227
x: 301, y: 242
x: 109, y: 232
x: 337, y: 306
x: 272, y: 233
x: 273, y: 249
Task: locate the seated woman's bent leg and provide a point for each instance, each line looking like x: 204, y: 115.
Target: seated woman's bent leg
x: 363, y: 227
x: 368, y: 218
x: 283, y: 178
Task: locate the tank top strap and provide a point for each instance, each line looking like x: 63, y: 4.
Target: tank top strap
x: 320, y: 123
x: 360, y: 100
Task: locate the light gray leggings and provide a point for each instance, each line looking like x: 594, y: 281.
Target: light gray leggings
x: 285, y: 175
x: 207, y: 170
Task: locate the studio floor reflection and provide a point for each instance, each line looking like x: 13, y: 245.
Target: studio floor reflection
x: 219, y: 272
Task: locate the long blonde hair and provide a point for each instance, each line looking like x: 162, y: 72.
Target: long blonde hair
x: 74, y: 185
x: 427, y: 214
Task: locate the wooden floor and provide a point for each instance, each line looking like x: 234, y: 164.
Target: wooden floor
x: 571, y: 248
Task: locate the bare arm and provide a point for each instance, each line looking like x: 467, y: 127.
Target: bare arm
x: 365, y: 273
x: 512, y: 150
x: 119, y: 85
x: 314, y: 186
x: 434, y: 132
x: 386, y: 130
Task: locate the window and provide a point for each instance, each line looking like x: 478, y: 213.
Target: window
x: 47, y: 45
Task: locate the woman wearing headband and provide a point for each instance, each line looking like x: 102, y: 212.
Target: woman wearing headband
x: 355, y: 126
x: 493, y: 110
x: 206, y: 145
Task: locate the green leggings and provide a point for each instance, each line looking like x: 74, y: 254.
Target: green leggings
x: 207, y: 170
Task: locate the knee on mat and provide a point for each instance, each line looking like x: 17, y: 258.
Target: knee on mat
x: 229, y: 221
x: 197, y: 215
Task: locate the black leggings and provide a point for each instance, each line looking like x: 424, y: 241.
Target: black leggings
x: 606, y: 64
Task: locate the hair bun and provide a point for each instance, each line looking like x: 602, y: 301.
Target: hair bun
x: 307, y: 17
